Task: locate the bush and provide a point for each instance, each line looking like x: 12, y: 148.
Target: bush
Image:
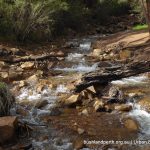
x: 6, y: 100
x: 107, y: 8
x: 27, y: 19
x: 43, y: 19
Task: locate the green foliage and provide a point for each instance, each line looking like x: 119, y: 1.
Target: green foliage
x: 140, y: 27
x: 44, y: 19
x: 29, y: 18
x: 2, y: 85
x: 107, y: 8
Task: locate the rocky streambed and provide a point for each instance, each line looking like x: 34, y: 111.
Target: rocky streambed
x: 51, y: 116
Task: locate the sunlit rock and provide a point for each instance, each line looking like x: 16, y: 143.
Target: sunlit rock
x: 3, y: 64
x: 85, y: 112
x: 27, y: 65
x: 73, y: 100
x: 97, y: 52
x: 33, y: 79
x: 22, y: 84
x: 99, y: 106
x: 4, y: 75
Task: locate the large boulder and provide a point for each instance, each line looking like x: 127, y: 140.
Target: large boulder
x: 8, y: 127
x: 6, y: 100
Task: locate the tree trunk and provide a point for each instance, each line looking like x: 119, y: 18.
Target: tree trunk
x: 105, y: 75
x: 148, y: 13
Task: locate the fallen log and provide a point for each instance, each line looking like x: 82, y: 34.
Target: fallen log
x: 32, y: 58
x: 103, y: 76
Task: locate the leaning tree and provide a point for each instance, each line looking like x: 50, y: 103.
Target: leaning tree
x: 146, y: 9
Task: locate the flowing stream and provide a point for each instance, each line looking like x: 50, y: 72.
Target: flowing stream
x: 75, y: 64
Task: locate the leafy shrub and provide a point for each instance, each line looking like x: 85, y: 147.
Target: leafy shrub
x: 29, y: 18
x: 44, y: 19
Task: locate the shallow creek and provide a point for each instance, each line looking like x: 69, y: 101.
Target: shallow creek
x: 58, y: 132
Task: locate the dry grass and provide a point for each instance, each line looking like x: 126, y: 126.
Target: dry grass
x: 6, y: 100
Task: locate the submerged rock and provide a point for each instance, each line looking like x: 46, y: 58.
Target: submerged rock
x: 131, y: 124
x: 8, y: 126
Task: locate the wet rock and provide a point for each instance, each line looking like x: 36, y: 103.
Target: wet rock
x: 87, y: 94
x: 4, y: 75
x: 27, y: 65
x: 15, y: 51
x: 91, y: 89
x: 73, y: 100
x: 51, y: 65
x: 3, y: 64
x: 125, y: 54
x: 131, y: 124
x: 13, y: 74
x: 109, y: 108
x: 55, y: 111
x: 33, y: 79
x: 8, y: 126
x: 115, y: 95
x: 40, y: 103
x: 136, y: 95
x: 22, y: 84
x: 107, y: 57
x: 99, y: 106
x: 145, y: 103
x: 97, y: 52
x: 85, y: 112
x: 40, y: 88
x: 78, y: 144
x: 21, y: 111
x: 80, y: 131
x: 123, y: 107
